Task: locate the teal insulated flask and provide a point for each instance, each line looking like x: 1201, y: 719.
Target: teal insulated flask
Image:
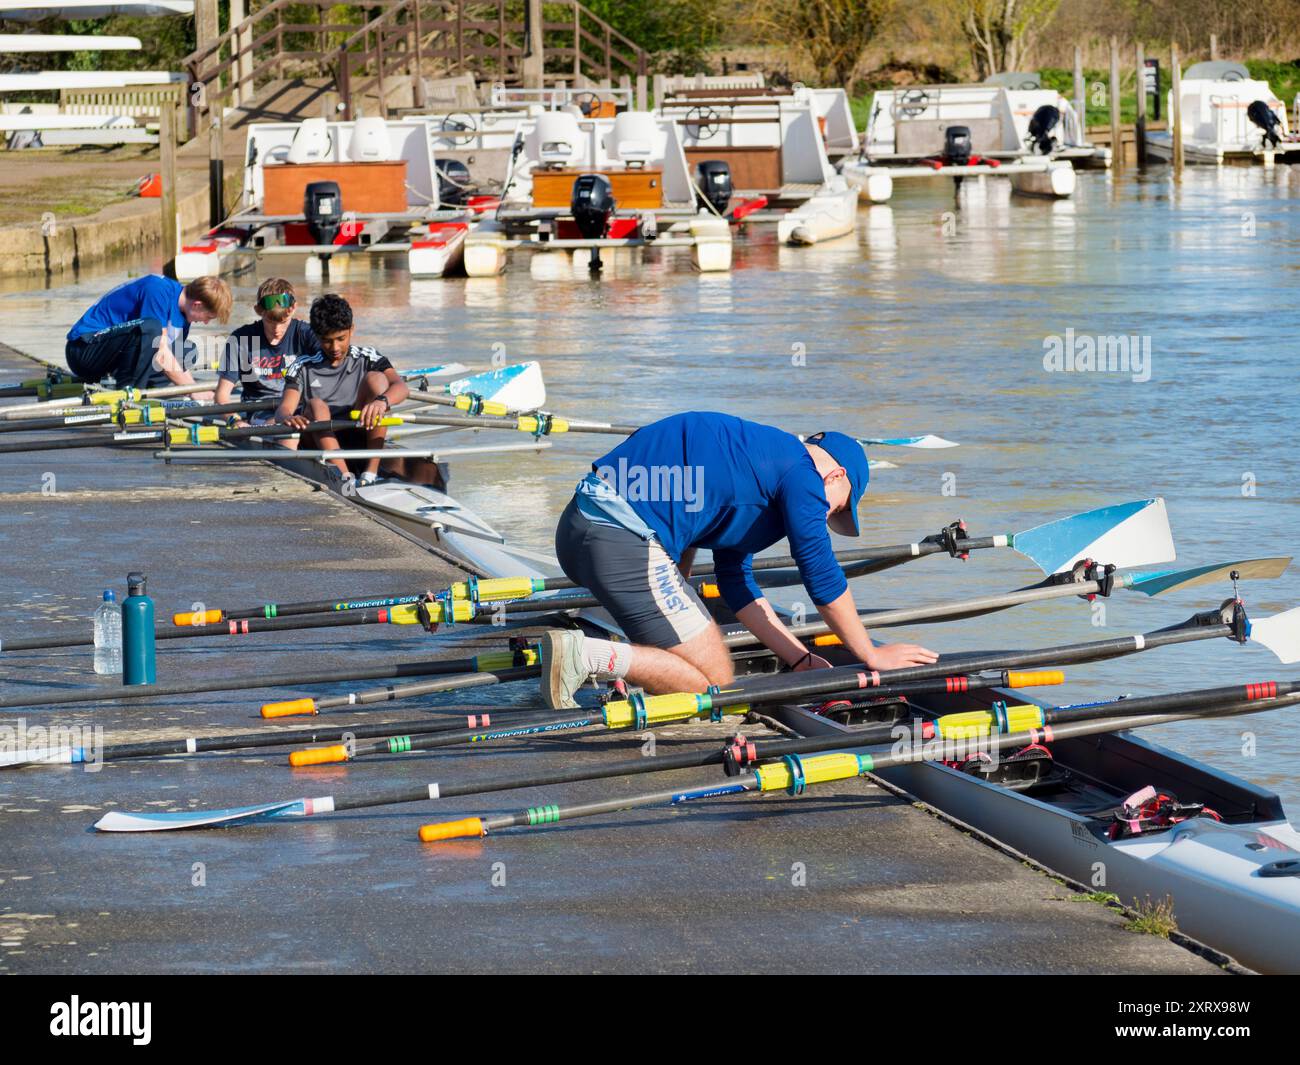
x: 138, y: 663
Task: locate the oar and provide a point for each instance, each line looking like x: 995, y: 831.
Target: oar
x: 59, y: 752
x: 194, y: 434
x: 44, y: 388
x: 1280, y: 634
x: 524, y: 655
x: 1115, y: 533
x: 1086, y: 581
x: 500, y: 391
x: 150, y: 414
x: 482, y: 590
x: 554, y: 725
x: 540, y: 423
x: 492, y: 662
x: 795, y: 773
x: 118, y: 821
x: 238, y: 455
x: 105, y: 397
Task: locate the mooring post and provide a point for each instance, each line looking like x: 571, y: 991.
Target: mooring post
x: 168, y: 203
x: 1140, y: 128
x: 216, y: 168
x: 1176, y: 109
x: 1080, y: 94
x: 1116, y: 130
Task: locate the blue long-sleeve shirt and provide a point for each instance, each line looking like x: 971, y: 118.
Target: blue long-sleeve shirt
x: 735, y: 487
x: 150, y: 296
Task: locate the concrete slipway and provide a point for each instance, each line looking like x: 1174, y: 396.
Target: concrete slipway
x: 889, y: 888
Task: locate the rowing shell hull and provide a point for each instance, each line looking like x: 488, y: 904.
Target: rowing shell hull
x: 1217, y: 874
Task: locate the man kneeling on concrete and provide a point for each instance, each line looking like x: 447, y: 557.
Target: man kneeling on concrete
x: 138, y: 332
x: 630, y: 533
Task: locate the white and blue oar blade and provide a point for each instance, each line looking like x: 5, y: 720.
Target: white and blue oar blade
x: 450, y: 369
x: 1280, y: 634
x: 520, y: 387
x: 1124, y: 535
x: 929, y: 441
x: 117, y: 821
x: 1156, y: 582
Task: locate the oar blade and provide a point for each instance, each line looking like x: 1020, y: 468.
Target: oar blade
x: 445, y: 370
x: 927, y: 442
x: 1280, y: 634
x: 519, y: 387
x: 1124, y: 535
x: 118, y: 821
x: 1156, y: 582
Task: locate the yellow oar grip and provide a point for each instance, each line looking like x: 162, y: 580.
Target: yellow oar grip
x: 818, y: 769
x: 493, y: 407
x: 493, y: 589
x: 828, y: 640
x: 662, y: 709
x: 975, y: 723
x: 1034, y: 678
x: 197, y: 617
x: 409, y: 613
x: 290, y: 708
x: 529, y: 423
x: 710, y: 591
x: 319, y: 756
x: 392, y: 419
x: 493, y: 660
x: 470, y: 828
x: 200, y: 434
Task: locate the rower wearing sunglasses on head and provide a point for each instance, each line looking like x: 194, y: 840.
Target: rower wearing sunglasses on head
x: 694, y: 480
x: 256, y: 354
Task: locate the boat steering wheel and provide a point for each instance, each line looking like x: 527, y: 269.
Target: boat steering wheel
x: 703, y: 121
x: 459, y: 127
x: 587, y: 102
x: 914, y: 102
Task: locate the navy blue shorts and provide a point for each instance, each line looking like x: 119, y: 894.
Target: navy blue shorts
x: 633, y: 578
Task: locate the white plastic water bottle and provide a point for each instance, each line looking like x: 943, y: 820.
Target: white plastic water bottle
x: 108, y: 635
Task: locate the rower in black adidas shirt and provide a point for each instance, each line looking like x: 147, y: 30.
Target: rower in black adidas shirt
x: 341, y: 378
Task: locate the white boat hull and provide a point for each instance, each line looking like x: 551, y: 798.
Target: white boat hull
x: 830, y: 213
x: 440, y: 252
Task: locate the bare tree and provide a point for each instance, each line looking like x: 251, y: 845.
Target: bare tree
x: 831, y: 34
x: 1001, y: 33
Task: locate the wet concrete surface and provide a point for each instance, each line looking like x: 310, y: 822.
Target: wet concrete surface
x: 849, y: 879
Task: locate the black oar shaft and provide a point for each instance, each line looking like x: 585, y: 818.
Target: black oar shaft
x: 416, y: 668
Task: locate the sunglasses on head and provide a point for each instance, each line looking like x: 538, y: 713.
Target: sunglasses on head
x: 280, y: 299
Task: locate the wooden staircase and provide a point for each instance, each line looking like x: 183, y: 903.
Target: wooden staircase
x: 281, y: 63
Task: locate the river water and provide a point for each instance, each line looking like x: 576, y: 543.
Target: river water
x: 935, y: 317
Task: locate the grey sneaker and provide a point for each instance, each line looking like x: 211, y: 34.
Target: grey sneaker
x: 563, y: 670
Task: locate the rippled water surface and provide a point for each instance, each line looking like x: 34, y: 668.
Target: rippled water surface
x: 933, y: 318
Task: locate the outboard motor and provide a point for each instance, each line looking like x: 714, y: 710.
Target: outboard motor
x: 322, y: 208
x: 1044, y: 120
x: 956, y: 145
x: 1262, y: 115
x: 592, y: 205
x: 713, y: 184
x: 453, y: 182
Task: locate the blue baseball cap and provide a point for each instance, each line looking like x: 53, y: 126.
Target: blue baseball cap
x: 853, y: 457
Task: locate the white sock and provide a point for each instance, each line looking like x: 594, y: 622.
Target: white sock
x: 606, y: 659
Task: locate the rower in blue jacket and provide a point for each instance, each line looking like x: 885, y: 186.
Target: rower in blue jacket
x: 736, y: 487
